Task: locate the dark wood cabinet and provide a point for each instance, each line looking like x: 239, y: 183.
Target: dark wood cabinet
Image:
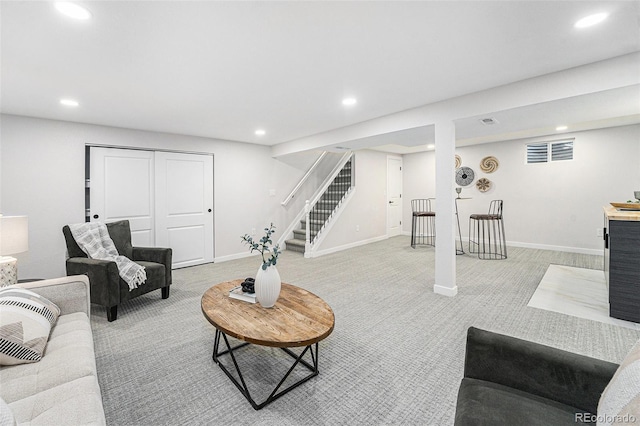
x: 622, y: 268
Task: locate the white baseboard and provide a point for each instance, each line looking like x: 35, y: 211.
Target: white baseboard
x: 578, y: 250
x: 445, y: 291
x: 319, y: 253
x: 232, y: 257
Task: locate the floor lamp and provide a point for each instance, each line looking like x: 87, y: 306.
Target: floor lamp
x: 14, y: 238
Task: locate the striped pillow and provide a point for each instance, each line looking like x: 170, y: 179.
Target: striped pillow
x: 26, y: 319
x: 620, y: 402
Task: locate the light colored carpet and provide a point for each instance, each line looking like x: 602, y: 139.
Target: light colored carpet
x: 578, y: 292
x: 395, y: 356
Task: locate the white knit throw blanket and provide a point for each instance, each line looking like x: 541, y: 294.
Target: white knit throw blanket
x: 93, y: 238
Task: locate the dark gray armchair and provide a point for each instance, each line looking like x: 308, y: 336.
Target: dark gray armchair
x: 107, y: 288
x: 509, y: 381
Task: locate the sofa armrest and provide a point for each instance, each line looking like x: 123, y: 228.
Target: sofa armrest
x: 71, y: 294
x: 562, y: 376
x: 104, y: 278
x: 158, y: 255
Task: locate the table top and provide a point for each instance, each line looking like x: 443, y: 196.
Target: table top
x: 615, y: 214
x: 299, y: 317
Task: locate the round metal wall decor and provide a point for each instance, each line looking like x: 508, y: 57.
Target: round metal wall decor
x: 458, y: 161
x: 489, y: 164
x: 464, y: 176
x: 483, y: 184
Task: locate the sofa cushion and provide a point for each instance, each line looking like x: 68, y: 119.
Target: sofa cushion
x: 69, y: 355
x: 6, y: 415
x: 620, y: 401
x: 26, y: 319
x: 486, y: 403
x: 77, y: 402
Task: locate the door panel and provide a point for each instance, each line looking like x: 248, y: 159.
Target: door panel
x: 191, y: 241
x: 184, y: 206
x: 394, y: 196
x: 122, y: 185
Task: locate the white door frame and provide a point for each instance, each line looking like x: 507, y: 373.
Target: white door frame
x: 394, y: 198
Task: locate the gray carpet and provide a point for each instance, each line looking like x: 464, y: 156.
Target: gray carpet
x: 395, y: 356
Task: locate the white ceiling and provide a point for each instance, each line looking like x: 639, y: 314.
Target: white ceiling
x: 610, y: 108
x: 224, y: 69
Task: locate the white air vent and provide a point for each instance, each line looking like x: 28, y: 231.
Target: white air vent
x: 488, y: 121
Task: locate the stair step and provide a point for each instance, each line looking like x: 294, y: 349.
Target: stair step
x: 301, y: 234
x: 295, y: 245
x: 320, y: 213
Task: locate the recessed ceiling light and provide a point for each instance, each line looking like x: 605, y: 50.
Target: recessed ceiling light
x: 488, y: 121
x: 73, y: 10
x: 260, y: 132
x: 69, y: 102
x: 590, y: 20
x: 561, y: 128
x: 349, y: 101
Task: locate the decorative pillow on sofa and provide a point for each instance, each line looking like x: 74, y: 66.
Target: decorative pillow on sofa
x: 620, y: 401
x: 26, y: 319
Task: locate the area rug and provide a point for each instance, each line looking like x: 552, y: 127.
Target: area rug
x: 578, y: 292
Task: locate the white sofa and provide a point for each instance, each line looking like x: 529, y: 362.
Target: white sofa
x: 62, y: 388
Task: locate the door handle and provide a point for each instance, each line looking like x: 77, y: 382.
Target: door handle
x: 390, y: 202
x: 95, y: 216
x: 209, y: 210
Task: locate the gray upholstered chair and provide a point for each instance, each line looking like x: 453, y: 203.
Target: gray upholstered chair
x: 107, y: 288
x: 510, y: 381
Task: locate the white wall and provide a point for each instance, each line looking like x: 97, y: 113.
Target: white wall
x: 555, y: 205
x: 42, y: 175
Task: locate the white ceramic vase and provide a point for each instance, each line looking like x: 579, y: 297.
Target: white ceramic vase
x: 267, y: 286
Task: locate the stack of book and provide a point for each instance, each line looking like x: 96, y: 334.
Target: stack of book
x: 237, y: 293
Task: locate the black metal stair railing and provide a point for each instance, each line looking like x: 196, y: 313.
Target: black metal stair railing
x: 328, y: 202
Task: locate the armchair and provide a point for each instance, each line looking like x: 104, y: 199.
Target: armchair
x: 509, y: 381
x: 107, y: 288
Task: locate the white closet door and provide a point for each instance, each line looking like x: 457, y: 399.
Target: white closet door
x: 122, y: 187
x: 184, y: 206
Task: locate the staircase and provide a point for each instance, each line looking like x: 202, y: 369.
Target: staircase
x: 322, y: 210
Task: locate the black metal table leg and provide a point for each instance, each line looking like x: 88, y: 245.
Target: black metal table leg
x: 275, y: 394
x: 461, y: 249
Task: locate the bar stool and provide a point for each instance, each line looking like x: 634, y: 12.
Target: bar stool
x: 486, y: 233
x: 423, y: 225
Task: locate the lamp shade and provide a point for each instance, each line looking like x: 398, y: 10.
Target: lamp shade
x: 14, y: 234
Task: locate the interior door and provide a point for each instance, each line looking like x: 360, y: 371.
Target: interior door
x: 122, y: 187
x: 184, y: 206
x: 394, y: 195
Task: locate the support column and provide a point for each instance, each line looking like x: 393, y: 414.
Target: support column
x: 445, y: 209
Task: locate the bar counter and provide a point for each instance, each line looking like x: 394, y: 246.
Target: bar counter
x: 622, y: 262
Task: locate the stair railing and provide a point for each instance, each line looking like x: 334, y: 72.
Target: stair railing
x: 310, y: 204
x: 303, y: 179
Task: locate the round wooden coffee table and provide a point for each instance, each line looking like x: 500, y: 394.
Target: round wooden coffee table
x: 299, y: 318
